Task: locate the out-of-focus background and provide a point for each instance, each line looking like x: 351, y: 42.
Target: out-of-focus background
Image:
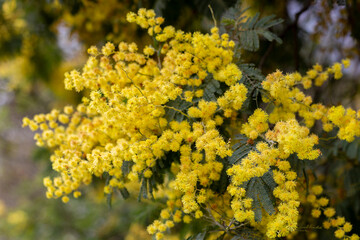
x: 41, y: 40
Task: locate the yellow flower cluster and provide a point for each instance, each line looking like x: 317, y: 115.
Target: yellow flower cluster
x: 20, y: 66
x: 319, y: 76
x: 213, y: 206
x: 289, y: 100
x: 290, y: 138
x: 170, y: 215
x: 200, y: 167
x: 232, y: 99
x: 123, y: 121
x: 125, y: 127
x: 285, y: 220
x: 256, y: 164
x: 95, y: 21
x: 319, y: 206
x: 257, y: 124
x: 146, y: 19
x: 293, y: 138
x: 347, y: 121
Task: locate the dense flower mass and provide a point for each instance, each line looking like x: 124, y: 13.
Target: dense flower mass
x: 149, y: 111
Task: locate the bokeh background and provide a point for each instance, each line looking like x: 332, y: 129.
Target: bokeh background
x: 41, y: 40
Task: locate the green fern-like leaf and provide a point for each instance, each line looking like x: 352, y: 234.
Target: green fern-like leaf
x: 253, y: 28
x: 250, y: 74
x: 261, y: 193
x: 212, y: 89
x: 252, y: 192
x: 179, y: 104
x: 143, y: 193
x: 269, y: 180
x: 124, y: 193
x: 241, y: 149
x: 247, y: 30
x: 252, y: 79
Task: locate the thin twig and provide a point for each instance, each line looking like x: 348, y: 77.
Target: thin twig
x: 175, y: 109
x: 135, y: 84
x: 212, y: 14
x: 231, y: 223
x: 158, y: 57
x: 329, y: 138
x: 214, y: 220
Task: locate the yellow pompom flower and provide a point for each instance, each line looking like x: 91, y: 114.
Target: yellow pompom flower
x: 329, y: 212
x: 347, y: 227
x: 65, y: 199
x: 317, y: 189
x: 316, y: 213
x: 149, y: 51
x: 257, y: 124
x: 339, y: 233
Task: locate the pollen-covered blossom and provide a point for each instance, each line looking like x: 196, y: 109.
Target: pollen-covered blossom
x: 257, y: 124
x: 342, y: 228
x: 315, y: 74
x: 286, y: 138
x: 347, y: 121
x: 148, y: 111
x: 289, y: 100
x: 123, y: 118
x: 197, y: 167
x: 123, y: 128
x: 233, y: 99
x: 168, y: 216
x: 256, y: 164
x: 205, y: 110
x: 293, y: 138
x: 285, y: 220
